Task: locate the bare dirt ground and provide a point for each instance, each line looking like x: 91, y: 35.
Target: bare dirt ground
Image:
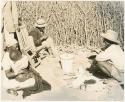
x: 51, y: 71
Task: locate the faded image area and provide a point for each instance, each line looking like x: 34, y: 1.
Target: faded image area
x: 62, y: 50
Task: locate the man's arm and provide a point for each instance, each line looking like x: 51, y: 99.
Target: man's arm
x: 104, y: 55
x: 38, y: 49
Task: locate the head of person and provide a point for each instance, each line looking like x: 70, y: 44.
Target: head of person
x: 41, y: 24
x: 15, y: 54
x: 110, y: 37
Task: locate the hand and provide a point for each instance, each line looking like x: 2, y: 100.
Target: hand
x: 92, y: 55
x: 98, y: 50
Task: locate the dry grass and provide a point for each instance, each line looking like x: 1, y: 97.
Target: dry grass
x: 72, y: 22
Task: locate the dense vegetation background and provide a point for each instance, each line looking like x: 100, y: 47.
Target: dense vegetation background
x: 75, y: 22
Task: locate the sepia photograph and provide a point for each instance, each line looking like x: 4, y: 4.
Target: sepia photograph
x: 62, y: 50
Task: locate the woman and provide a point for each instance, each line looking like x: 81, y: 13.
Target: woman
x: 19, y: 76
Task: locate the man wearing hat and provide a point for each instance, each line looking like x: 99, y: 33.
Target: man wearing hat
x: 41, y: 40
x: 111, y: 60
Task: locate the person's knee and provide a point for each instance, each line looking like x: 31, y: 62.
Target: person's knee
x: 116, y: 74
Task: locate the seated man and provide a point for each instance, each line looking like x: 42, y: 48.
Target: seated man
x: 18, y: 76
x: 41, y: 40
x: 111, y: 60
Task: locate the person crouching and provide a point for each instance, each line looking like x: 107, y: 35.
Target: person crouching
x: 19, y: 76
x: 41, y: 40
x: 111, y: 59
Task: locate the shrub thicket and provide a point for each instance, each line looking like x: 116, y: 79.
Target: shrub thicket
x: 75, y: 22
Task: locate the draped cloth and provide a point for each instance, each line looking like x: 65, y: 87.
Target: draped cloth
x: 39, y: 86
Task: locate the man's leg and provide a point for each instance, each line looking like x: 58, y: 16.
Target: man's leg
x: 110, y: 70
x: 25, y: 80
x: 28, y: 83
x: 9, y: 84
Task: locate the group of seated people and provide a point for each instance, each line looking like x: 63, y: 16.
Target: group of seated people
x: 18, y: 73
x: 16, y: 65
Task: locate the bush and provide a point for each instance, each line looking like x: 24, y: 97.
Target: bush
x: 75, y: 22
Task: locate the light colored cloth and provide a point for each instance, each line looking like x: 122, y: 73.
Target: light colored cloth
x: 10, y: 15
x: 113, y: 53
x: 7, y: 63
x: 9, y: 38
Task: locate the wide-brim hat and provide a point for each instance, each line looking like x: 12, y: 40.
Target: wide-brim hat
x: 111, y: 35
x: 40, y: 23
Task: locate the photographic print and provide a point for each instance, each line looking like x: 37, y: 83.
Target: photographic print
x: 62, y: 50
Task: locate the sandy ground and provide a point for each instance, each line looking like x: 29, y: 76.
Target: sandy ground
x: 51, y: 71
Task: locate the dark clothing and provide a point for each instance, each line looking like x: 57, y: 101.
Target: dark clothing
x: 39, y: 86
x: 36, y: 34
x: 26, y: 74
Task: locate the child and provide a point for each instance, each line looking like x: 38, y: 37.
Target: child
x: 14, y: 62
x: 18, y: 76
